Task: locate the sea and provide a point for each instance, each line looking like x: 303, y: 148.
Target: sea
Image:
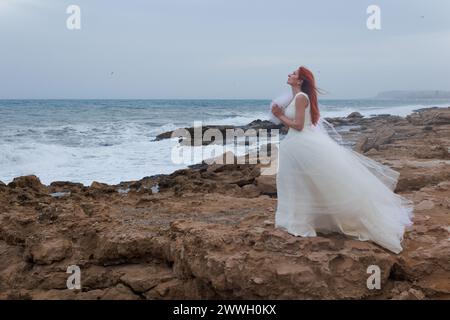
x: 112, y: 141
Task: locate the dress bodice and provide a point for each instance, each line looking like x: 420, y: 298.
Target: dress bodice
x: 290, y: 111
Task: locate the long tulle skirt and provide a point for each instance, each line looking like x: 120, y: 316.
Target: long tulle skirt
x: 325, y: 187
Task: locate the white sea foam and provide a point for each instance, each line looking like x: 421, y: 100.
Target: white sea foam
x: 99, y: 145
x: 112, y: 164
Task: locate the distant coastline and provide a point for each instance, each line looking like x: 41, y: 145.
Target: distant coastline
x: 408, y: 94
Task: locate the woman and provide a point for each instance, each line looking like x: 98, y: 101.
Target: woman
x: 325, y: 187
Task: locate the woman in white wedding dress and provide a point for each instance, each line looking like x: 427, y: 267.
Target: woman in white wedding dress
x: 326, y: 187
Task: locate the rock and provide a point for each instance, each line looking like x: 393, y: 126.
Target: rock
x: 258, y: 280
x: 119, y: 292
x: 443, y: 186
x: 97, y: 277
x: 54, y: 280
x: 226, y: 158
x: 427, y: 117
x: 98, y: 190
x: 372, y: 151
x: 382, y: 136
x: 355, y: 114
x: 267, y: 184
x: 50, y: 251
x: 250, y: 190
x: 66, y: 186
x: 185, y: 133
x: 362, y: 144
x: 167, y: 289
x: 103, y: 187
x: 209, y: 233
x: 411, y: 294
x: 52, y: 295
x: 143, y: 278
x: 425, y: 205
x: 27, y: 182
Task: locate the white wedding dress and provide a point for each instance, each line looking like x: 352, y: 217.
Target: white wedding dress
x: 323, y: 186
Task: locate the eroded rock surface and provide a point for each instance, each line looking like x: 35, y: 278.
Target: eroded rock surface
x: 208, y: 231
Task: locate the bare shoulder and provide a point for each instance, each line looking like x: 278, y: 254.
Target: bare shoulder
x: 301, y: 101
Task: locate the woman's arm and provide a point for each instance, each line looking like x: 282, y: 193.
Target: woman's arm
x: 288, y: 122
x: 301, y: 102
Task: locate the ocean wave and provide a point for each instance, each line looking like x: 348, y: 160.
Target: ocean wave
x: 97, y: 145
x: 116, y: 163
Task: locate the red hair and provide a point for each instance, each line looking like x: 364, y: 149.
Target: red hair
x: 309, y: 87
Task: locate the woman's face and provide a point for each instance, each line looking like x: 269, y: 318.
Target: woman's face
x: 293, y: 78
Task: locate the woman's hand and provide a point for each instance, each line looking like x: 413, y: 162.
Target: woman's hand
x: 277, y: 110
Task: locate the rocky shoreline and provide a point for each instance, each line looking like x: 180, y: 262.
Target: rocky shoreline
x: 208, y: 231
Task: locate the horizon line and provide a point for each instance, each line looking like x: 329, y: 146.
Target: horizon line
x: 230, y: 99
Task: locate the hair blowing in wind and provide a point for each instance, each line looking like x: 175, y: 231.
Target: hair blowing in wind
x: 309, y: 87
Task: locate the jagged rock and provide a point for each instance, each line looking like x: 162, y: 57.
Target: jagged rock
x: 119, y: 292
x: 188, y: 136
x: 102, y: 187
x: 209, y: 233
x: 267, y: 184
x: 50, y: 251
x: 383, y: 136
x: 27, y: 182
x: 432, y: 152
x: 411, y: 294
x: 355, y: 114
x: 362, y: 144
x: 144, y: 278
x: 66, y: 186
x: 437, y: 116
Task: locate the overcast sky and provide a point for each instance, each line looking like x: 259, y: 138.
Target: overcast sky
x: 220, y: 48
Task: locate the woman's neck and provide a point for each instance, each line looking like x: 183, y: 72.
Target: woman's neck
x: 295, y: 91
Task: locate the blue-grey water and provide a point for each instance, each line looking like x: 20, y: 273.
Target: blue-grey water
x: 111, y: 140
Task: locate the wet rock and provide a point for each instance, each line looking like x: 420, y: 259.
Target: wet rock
x: 188, y: 136
x: 355, y: 115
